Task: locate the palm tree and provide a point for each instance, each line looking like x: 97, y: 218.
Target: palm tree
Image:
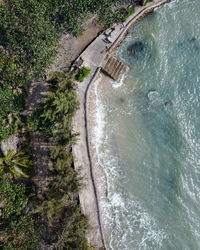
x: 15, y: 164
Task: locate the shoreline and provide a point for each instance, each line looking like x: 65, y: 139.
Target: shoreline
x: 95, y: 191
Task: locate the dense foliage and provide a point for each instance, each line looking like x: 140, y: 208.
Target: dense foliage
x: 57, y: 204
x: 15, y: 165
x: 38, y: 123
x: 29, y: 32
x: 12, y: 198
x: 19, y: 230
x: 82, y: 74
x: 21, y: 234
x: 11, y: 96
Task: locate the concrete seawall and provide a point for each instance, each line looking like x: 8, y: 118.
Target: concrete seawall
x: 136, y: 18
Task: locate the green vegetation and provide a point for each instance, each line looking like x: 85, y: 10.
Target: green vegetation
x: 82, y: 74
x: 38, y: 123
x: 130, y: 11
x: 11, y: 96
x: 29, y: 33
x: 12, y: 197
x: 19, y: 231
x: 15, y: 165
x: 57, y: 204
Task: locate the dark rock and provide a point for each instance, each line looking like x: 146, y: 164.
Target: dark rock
x: 168, y: 103
x: 138, y: 46
x: 193, y: 39
x: 121, y: 99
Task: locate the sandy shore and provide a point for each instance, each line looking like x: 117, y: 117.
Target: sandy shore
x: 98, y: 173
x: 93, y: 197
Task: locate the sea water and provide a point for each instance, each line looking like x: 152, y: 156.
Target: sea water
x: 150, y: 133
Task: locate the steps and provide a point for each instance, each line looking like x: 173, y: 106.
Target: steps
x: 114, y: 68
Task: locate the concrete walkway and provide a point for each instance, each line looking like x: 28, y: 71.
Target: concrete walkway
x: 93, y: 58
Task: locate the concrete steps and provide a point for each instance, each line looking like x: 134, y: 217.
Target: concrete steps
x: 114, y: 68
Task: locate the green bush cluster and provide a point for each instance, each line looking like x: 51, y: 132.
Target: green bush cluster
x: 130, y: 11
x: 29, y: 32
x: 37, y: 123
x: 12, y: 197
x: 57, y: 204
x: 12, y: 98
x: 82, y: 74
x: 19, y: 231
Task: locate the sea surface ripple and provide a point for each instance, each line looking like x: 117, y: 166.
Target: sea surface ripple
x: 150, y: 135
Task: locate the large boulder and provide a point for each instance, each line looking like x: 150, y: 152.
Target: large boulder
x: 135, y: 48
x: 10, y: 144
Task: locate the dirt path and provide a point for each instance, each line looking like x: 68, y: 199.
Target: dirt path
x: 69, y: 49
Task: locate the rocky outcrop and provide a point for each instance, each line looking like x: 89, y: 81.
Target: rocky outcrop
x: 10, y: 144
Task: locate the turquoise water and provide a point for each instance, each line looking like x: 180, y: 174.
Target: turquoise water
x: 150, y: 148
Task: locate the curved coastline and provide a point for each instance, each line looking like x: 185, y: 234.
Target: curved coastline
x: 95, y: 191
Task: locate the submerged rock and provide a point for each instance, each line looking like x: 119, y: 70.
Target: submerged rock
x: 138, y: 46
x: 168, y: 103
x: 121, y: 99
x: 151, y: 93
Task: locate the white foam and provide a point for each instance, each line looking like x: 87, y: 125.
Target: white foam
x: 130, y: 225
x: 99, y: 119
x: 118, y: 84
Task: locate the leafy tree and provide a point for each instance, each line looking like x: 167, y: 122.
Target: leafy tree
x: 66, y: 179
x: 15, y: 165
x: 21, y: 234
x: 27, y: 33
x: 11, y: 97
x: 73, y: 230
x: 13, y: 197
x: 38, y: 123
x: 60, y: 103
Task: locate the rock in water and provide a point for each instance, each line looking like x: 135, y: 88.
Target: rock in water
x: 152, y: 93
x: 137, y: 47
x: 168, y: 103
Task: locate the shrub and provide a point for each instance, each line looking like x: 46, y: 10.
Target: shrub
x: 39, y: 124
x: 6, y: 128
x: 82, y: 74
x: 131, y: 11
x: 28, y: 34
x: 12, y: 197
x: 21, y: 234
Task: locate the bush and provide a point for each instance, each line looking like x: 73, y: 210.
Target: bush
x: 82, y: 74
x: 21, y: 234
x: 28, y: 34
x: 7, y: 129
x: 58, y: 205
x: 12, y: 197
x: 11, y: 97
x: 131, y: 11
x: 39, y: 124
